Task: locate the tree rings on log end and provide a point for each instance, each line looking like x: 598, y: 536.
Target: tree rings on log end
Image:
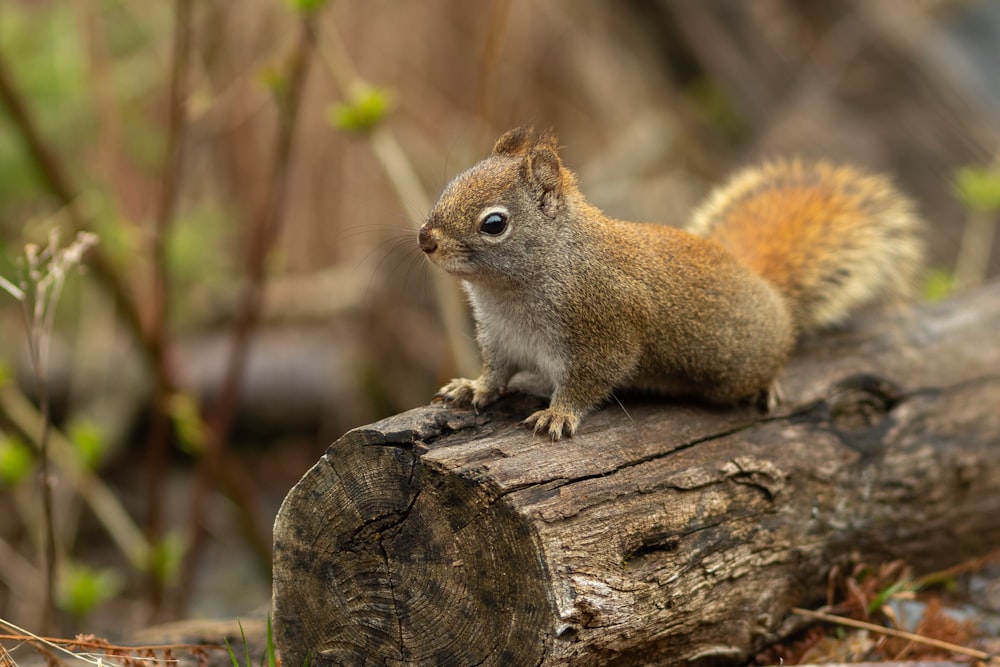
x: 409, y: 566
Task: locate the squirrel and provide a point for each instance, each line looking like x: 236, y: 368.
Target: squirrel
x: 591, y: 304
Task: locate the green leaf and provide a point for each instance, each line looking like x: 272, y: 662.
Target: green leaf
x: 16, y: 460
x: 883, y: 597
x: 122, y: 240
x: 190, y: 427
x: 366, y: 109
x: 165, y: 557
x: 978, y: 188
x: 307, y: 6
x: 82, y: 588
x: 246, y: 647
x: 200, y: 266
x: 90, y: 443
x: 274, y: 80
x: 231, y: 652
x: 718, y: 109
x: 939, y: 284
x: 272, y: 658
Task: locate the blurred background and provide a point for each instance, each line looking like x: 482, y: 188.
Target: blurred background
x: 255, y: 172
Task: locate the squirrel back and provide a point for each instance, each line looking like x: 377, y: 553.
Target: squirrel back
x: 831, y: 238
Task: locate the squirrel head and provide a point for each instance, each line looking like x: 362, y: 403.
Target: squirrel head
x: 502, y: 209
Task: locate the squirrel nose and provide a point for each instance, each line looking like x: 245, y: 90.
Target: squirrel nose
x: 427, y: 242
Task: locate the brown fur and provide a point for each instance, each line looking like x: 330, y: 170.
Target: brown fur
x: 592, y: 304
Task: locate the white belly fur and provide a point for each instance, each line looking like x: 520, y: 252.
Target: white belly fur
x: 522, y: 334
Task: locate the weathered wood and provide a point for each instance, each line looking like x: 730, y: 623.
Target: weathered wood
x: 662, y: 533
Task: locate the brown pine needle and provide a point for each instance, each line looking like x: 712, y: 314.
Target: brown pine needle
x: 892, y: 632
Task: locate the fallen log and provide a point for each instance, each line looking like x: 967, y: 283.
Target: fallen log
x: 662, y: 533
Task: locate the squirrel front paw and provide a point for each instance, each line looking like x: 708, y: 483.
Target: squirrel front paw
x: 556, y: 423
x: 464, y: 393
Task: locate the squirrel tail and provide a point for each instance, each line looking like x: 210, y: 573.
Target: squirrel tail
x: 830, y: 238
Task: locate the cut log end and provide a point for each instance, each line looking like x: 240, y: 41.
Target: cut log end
x: 389, y: 560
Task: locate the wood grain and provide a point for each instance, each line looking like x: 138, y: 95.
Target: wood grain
x: 662, y: 533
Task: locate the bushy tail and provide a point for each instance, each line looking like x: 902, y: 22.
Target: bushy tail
x: 830, y: 238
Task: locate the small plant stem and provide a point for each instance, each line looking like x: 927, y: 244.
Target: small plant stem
x: 489, y: 59
x: 54, y: 179
x: 975, y: 248
x: 36, y: 346
x: 262, y: 238
x: 158, y: 336
x: 47, y: 511
x: 974, y: 253
x: 18, y: 411
x: 402, y: 176
x: 952, y: 572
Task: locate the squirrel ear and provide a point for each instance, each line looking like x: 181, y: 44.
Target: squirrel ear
x: 520, y: 139
x: 545, y: 168
x: 513, y: 142
x: 541, y: 164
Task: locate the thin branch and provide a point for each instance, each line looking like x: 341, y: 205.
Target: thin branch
x: 102, y: 501
x: 54, y: 179
x: 976, y: 245
x: 48, y: 165
x: 43, y: 274
x: 263, y: 235
x: 44, y: 438
x: 158, y: 337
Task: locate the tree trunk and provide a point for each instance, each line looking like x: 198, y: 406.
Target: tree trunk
x: 662, y: 533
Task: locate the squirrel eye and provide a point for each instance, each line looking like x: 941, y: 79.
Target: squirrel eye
x: 493, y: 224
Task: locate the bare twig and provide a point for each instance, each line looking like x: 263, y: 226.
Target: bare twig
x: 262, y: 237
x: 891, y: 632
x: 54, y: 179
x: 39, y: 362
x: 158, y: 340
x: 43, y: 274
x: 102, y: 501
x: 48, y: 165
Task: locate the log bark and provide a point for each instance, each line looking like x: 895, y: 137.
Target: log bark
x: 662, y: 533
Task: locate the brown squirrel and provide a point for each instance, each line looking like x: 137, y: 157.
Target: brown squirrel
x: 591, y: 304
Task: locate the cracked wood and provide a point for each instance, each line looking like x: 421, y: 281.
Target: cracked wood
x: 668, y: 533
